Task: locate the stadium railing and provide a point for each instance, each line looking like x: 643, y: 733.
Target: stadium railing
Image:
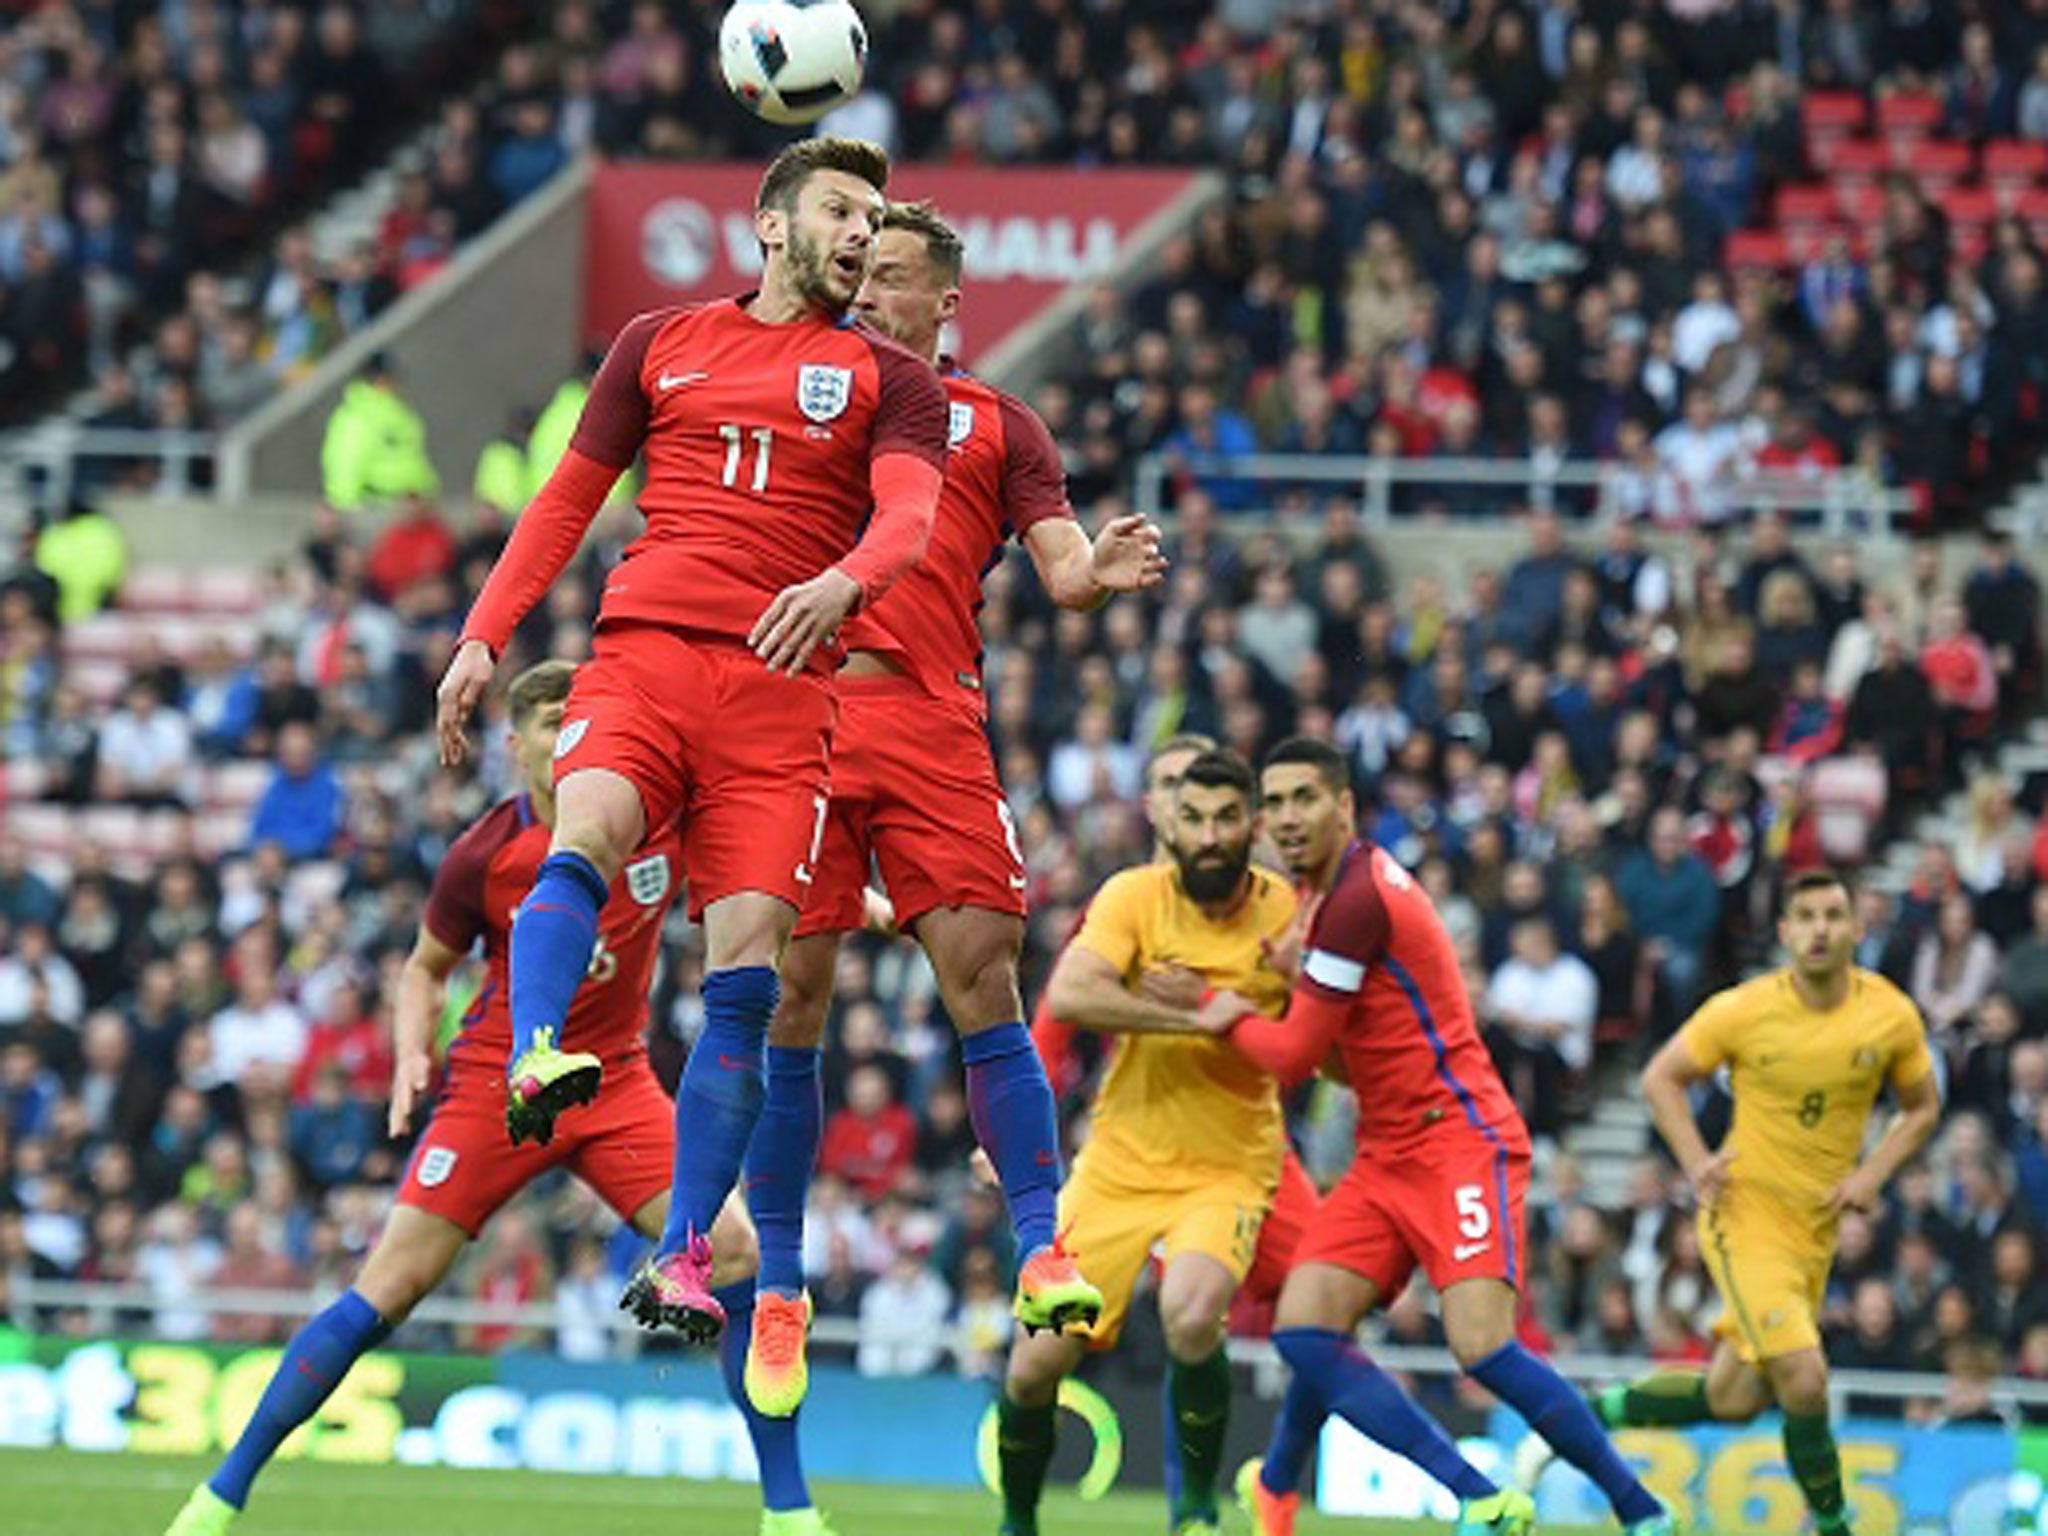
x: 42, y: 462
x: 1839, y: 503
x: 103, y: 1303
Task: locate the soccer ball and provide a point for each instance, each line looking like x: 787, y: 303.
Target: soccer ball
x: 792, y: 61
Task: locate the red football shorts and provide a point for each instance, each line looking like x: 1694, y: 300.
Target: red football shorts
x: 1455, y: 1208
x: 701, y: 727
x: 622, y: 1144
x: 914, y: 790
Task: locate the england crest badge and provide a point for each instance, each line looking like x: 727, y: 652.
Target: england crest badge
x: 959, y: 424
x: 822, y: 391
x: 647, y: 880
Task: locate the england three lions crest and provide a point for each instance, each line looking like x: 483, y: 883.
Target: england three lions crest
x: 647, y: 880
x: 823, y: 392
x: 960, y: 424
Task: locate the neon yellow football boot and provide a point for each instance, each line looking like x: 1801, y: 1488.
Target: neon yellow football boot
x: 1053, y: 1293
x: 206, y: 1513
x: 542, y: 1083
x: 777, y: 1374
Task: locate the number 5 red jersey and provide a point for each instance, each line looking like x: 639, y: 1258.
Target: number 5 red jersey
x: 1380, y: 980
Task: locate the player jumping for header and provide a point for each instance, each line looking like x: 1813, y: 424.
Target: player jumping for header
x: 914, y: 790
x: 772, y: 427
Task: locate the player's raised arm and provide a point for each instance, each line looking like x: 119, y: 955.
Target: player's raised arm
x: 905, y: 474
x: 548, y: 534
x: 1667, y: 1084
x: 421, y: 986
x: 1076, y: 572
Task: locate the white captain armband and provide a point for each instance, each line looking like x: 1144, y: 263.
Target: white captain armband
x: 1333, y: 971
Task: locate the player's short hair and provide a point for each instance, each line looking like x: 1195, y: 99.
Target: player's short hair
x: 942, y: 244
x: 1184, y: 741
x: 1818, y: 878
x: 1221, y: 768
x: 784, y: 179
x: 545, y: 682
x: 1331, y: 765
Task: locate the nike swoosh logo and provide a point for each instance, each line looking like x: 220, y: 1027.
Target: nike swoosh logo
x: 1466, y: 1251
x: 678, y: 380
x: 1018, y: 882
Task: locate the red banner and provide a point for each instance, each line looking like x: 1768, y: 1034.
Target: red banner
x: 670, y: 234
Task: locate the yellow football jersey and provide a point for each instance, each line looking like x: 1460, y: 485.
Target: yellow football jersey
x: 1171, y: 1105
x: 1804, y: 1080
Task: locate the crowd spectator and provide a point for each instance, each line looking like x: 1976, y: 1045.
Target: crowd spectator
x: 1581, y: 744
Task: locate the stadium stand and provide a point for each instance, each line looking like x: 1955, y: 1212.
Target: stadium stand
x: 1759, y: 236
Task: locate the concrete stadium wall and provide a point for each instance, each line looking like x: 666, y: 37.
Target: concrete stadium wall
x: 497, y: 331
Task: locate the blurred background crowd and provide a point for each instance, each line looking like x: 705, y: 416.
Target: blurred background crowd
x: 1486, y: 230
x: 1706, y: 242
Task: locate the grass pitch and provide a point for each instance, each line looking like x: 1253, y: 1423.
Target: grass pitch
x: 61, y: 1493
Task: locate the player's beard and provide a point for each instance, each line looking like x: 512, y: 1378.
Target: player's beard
x: 1214, y: 874
x: 810, y: 274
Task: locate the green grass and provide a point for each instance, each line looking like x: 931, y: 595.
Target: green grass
x: 59, y: 1493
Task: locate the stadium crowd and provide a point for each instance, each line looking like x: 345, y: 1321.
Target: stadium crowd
x: 146, y: 154
x: 1479, y: 230
x: 1598, y: 758
x: 1491, y: 233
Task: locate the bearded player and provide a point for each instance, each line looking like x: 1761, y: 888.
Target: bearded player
x: 466, y: 1165
x: 773, y: 431
x: 1295, y: 1198
x: 1439, y: 1179
x: 1185, y: 1139
x: 915, y: 792
x: 1808, y: 1048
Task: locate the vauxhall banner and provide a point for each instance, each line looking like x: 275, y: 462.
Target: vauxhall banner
x: 672, y: 234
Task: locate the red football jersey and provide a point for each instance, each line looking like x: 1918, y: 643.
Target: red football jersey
x: 1381, y: 969
x: 758, y: 441
x: 1003, y: 476
x: 479, y: 886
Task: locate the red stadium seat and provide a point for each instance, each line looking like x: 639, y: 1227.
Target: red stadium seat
x: 2031, y: 208
x: 1832, y: 114
x: 2010, y: 164
x: 1851, y: 159
x: 1798, y: 206
x: 1809, y: 242
x: 1909, y: 115
x: 1969, y: 206
x: 1756, y: 248
x: 1860, y: 202
x: 1936, y: 163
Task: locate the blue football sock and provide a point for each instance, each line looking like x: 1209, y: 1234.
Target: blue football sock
x: 719, y: 1099
x: 782, y: 1470
x: 1372, y: 1402
x: 1016, y: 1120
x: 1302, y: 1412
x: 553, y: 933
x: 318, y: 1356
x: 1557, y: 1413
x: 779, y: 1163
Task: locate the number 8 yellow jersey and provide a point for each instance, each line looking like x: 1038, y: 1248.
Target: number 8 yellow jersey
x: 1805, y: 1080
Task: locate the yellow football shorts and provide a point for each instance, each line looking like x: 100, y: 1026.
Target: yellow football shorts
x: 1111, y: 1229
x: 1771, y: 1272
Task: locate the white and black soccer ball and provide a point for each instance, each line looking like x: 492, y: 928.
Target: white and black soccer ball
x: 792, y: 61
